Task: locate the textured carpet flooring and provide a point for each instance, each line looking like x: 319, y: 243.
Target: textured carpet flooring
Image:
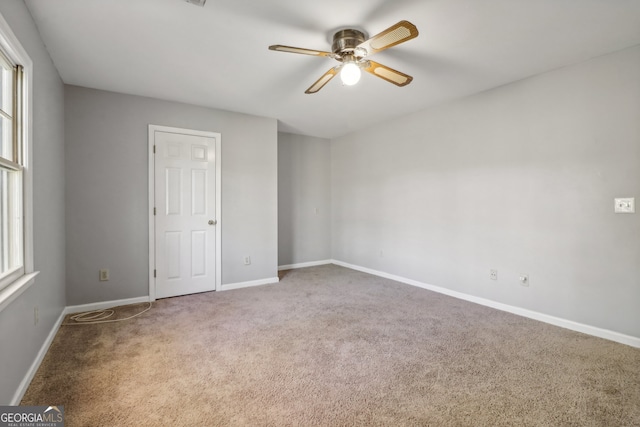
x: 334, y: 347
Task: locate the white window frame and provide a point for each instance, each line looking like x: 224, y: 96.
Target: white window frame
x: 15, y: 52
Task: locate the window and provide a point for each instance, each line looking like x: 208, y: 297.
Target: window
x: 16, y: 223
x: 11, y: 221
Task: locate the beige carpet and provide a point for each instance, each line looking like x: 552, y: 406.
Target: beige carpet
x: 335, y: 347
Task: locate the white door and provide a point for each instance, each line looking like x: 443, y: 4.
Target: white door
x: 185, y: 212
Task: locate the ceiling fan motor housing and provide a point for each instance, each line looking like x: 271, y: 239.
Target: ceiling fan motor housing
x: 346, y: 41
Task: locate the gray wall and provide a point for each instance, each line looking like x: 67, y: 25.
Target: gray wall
x: 520, y: 179
x: 20, y: 339
x: 107, y: 186
x: 304, y: 185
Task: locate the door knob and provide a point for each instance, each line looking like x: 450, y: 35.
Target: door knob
x: 212, y: 222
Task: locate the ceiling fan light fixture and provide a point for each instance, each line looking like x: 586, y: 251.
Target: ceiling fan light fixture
x: 352, y: 48
x: 350, y: 74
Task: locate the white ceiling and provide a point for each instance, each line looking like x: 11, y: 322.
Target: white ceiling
x: 217, y: 56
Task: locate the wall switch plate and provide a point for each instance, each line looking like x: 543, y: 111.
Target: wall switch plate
x: 104, y: 275
x: 625, y: 205
x: 493, y: 274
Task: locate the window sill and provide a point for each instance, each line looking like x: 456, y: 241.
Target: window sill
x: 14, y: 290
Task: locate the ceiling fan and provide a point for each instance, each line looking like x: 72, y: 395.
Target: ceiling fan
x: 351, y: 48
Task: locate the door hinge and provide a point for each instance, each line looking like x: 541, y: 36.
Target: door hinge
x: 154, y: 273
x: 154, y: 211
x: 154, y: 149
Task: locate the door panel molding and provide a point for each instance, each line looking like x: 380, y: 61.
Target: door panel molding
x: 153, y: 208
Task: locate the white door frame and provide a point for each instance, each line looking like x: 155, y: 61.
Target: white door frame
x: 152, y: 223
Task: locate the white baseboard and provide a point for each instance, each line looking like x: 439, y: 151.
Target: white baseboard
x: 304, y: 264
x: 250, y: 283
x: 103, y: 305
x: 557, y: 321
x: 24, y: 384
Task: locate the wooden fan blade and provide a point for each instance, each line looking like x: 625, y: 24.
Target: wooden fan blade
x: 303, y: 51
x: 388, y: 74
x: 394, y: 35
x: 326, y: 77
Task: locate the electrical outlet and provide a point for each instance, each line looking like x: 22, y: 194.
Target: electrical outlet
x: 104, y: 275
x: 524, y: 279
x: 247, y: 260
x: 625, y: 205
x: 36, y: 315
x: 493, y: 274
